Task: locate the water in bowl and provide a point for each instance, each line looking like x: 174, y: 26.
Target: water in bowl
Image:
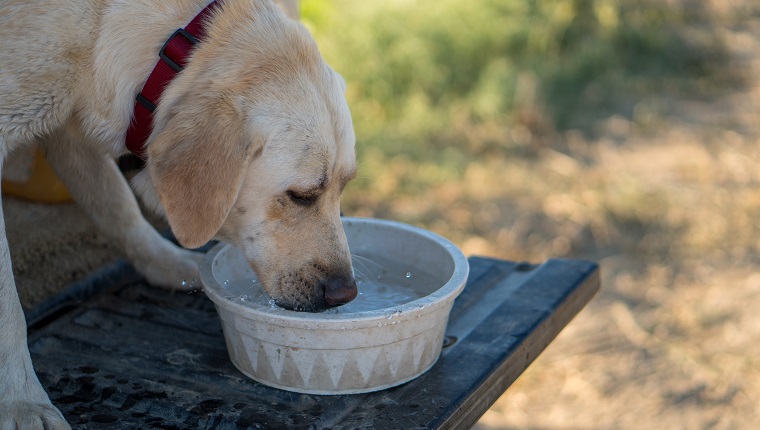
x: 382, y: 284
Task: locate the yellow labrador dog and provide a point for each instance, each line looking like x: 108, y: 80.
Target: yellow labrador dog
x: 251, y: 143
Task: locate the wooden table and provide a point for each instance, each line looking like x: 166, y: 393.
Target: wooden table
x: 115, y: 353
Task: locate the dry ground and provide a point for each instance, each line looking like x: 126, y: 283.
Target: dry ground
x: 668, y: 202
x: 666, y: 197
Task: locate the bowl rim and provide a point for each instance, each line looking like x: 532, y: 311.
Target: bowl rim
x: 278, y: 316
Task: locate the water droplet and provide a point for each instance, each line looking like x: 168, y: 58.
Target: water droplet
x: 272, y: 303
x: 392, y: 313
x: 183, y: 283
x: 408, y: 275
x: 244, y: 297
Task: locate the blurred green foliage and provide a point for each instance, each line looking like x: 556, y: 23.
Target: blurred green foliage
x: 426, y: 74
x: 446, y: 91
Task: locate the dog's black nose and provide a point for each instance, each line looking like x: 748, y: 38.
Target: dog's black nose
x: 339, y: 291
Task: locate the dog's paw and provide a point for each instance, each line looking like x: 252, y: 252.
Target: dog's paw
x: 174, y: 270
x: 23, y: 414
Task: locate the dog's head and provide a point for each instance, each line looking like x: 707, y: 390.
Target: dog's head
x: 253, y: 144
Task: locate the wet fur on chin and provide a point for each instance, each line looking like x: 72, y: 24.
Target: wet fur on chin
x: 308, y: 296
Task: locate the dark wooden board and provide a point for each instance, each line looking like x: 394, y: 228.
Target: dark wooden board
x: 115, y: 353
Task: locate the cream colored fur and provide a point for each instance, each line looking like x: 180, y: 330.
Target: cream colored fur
x: 252, y: 144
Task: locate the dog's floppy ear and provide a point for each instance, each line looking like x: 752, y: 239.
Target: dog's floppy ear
x: 196, y: 163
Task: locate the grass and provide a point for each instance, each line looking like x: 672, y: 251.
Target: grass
x: 437, y: 71
x: 618, y: 130
x: 435, y: 86
x: 504, y: 104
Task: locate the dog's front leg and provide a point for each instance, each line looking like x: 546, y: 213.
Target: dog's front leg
x: 23, y: 402
x: 95, y: 182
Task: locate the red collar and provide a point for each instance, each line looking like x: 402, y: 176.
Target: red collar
x: 172, y: 58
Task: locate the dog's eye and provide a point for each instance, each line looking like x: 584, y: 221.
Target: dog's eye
x: 301, y: 199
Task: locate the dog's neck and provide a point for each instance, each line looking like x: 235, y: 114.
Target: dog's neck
x: 172, y: 59
x: 119, y: 65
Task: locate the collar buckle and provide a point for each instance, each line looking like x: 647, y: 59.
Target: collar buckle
x: 162, y: 53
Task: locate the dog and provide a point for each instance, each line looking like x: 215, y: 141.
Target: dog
x: 250, y: 143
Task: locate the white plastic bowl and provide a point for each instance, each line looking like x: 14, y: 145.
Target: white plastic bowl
x: 340, y: 353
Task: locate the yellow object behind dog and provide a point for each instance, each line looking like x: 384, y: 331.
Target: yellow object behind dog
x: 32, y: 178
